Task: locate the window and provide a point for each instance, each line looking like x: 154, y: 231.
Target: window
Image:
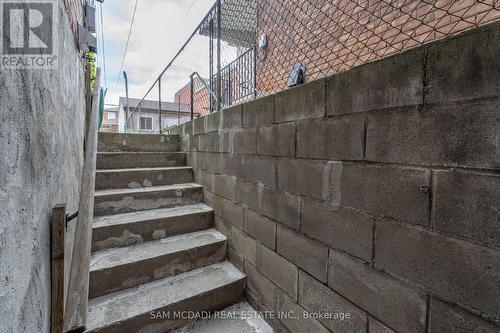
x: 146, y: 123
x: 111, y: 115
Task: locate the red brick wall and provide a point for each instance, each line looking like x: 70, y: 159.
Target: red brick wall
x: 329, y: 37
x: 201, y: 99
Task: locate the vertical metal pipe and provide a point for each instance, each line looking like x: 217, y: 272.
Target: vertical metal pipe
x: 192, y: 97
x: 159, y: 102
x: 255, y: 71
x: 218, y: 83
x: 211, y: 65
x: 229, y: 87
x: 127, y: 113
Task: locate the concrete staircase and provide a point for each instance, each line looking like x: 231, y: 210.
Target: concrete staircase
x: 154, y: 249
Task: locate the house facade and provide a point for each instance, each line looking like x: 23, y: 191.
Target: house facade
x: 137, y: 117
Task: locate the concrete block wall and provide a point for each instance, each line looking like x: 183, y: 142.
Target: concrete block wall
x: 375, y: 192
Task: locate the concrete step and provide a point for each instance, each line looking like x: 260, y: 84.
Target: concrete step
x: 142, y: 177
x: 112, y: 270
x: 126, y: 229
x: 241, y: 318
x: 115, y: 201
x: 146, y: 308
x: 118, y: 160
x: 138, y: 142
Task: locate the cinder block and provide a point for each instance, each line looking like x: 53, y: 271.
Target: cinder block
x: 225, y: 186
x: 295, y: 319
x: 447, y: 318
x: 279, y: 270
x: 231, y: 117
x: 243, y: 245
x: 232, y: 213
x: 243, y: 141
x: 185, y: 143
x: 467, y: 205
x: 464, y: 67
x: 344, y: 138
x: 208, y: 142
x: 280, y: 206
x: 364, y: 88
x: 317, y: 298
x: 455, y: 270
x: 387, y: 191
x: 260, y: 228
x: 277, y: 140
x: 235, y: 259
x: 198, y: 125
x: 232, y: 165
x: 214, y: 162
x: 223, y: 226
x: 187, y: 128
x: 339, y: 138
x: 388, y: 299
x: 247, y: 194
x: 177, y: 130
x: 260, y: 169
x: 375, y: 326
x: 338, y: 227
x: 259, y: 112
x: 212, y: 122
x: 205, y: 179
x: 301, y: 176
x: 444, y: 135
x: 194, y: 144
x: 264, y: 290
x: 303, y: 102
x: 223, y: 143
x: 304, y: 252
x: 199, y: 160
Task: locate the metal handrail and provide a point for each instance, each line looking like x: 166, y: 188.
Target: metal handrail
x: 214, y: 6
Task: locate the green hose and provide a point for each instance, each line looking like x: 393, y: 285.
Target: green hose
x: 101, y: 106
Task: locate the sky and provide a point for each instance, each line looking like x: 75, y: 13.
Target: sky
x: 160, y: 29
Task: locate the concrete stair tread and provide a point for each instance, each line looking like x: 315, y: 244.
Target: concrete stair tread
x: 146, y: 189
x: 143, y: 169
x: 153, y: 214
x: 141, y: 300
x: 138, y: 159
x: 126, y: 255
x: 243, y: 319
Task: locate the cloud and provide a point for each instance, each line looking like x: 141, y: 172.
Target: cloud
x: 157, y: 35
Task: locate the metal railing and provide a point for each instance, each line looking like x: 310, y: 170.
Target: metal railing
x: 244, y: 49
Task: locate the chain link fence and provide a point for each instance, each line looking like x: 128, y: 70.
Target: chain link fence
x: 244, y: 49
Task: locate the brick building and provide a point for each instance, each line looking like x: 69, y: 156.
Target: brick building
x: 329, y: 37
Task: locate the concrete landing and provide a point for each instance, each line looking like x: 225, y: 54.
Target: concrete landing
x: 243, y: 319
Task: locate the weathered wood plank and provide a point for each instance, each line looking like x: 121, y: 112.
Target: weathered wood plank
x: 58, y: 223
x: 75, y: 316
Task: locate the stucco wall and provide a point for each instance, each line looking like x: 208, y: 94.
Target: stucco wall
x: 373, y: 193
x: 41, y: 150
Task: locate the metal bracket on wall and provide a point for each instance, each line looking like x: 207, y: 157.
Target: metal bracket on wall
x: 69, y: 218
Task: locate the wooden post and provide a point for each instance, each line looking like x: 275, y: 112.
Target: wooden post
x: 57, y: 230
x: 75, y: 315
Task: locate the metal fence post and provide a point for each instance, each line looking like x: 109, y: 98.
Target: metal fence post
x: 218, y: 83
x: 211, y: 63
x: 159, y: 103
x: 192, y: 97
